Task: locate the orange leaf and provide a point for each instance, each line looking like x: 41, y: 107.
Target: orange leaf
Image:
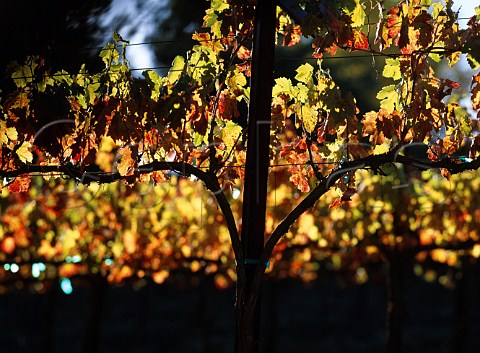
x: 244, y: 53
x: 126, y: 165
x: 446, y: 174
x: 360, y: 40
x: 19, y: 185
x: 158, y: 177
x: 336, y: 203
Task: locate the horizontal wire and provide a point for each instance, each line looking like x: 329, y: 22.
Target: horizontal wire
x: 60, y: 74
x: 184, y: 40
x: 281, y: 58
x: 39, y: 174
x: 155, y: 42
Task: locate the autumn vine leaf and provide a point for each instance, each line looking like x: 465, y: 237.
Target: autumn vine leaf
x: 98, y: 128
x: 24, y: 152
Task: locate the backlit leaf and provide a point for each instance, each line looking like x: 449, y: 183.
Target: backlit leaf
x: 109, y: 54
x: 230, y: 134
x: 92, y: 92
x: 389, y: 98
x: 304, y: 73
x: 282, y: 86
x: 24, y: 152
x: 308, y: 116
x: 23, y: 74
x: 219, y: 5
x: 465, y: 124
x: 6, y: 134
x: 358, y: 14
x: 154, y: 81
x: 175, y: 72
x: 236, y: 80
x: 301, y: 92
x: 360, y: 40
x: 392, y: 69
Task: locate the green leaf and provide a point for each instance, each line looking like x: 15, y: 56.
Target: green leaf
x: 24, y: 73
x: 210, y: 18
x: 198, y: 139
x: 109, y: 54
x: 63, y: 76
x: 175, y: 72
x: 472, y: 49
x: 236, y: 80
x: 211, y: 21
x: 81, y: 99
x: 389, y: 98
x: 152, y: 78
x: 426, y: 3
x: 392, y: 69
x: 282, y: 86
x: 82, y: 77
x: 304, y: 73
x: 438, y: 8
x: 435, y: 57
x: 358, y: 14
x: 477, y: 13
x: 219, y: 5
x: 11, y: 133
x: 92, y: 89
x: 465, y: 124
x: 154, y: 81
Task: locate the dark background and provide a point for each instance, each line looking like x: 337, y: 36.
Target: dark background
x: 325, y: 316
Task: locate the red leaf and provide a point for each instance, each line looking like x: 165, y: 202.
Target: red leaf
x: 19, y: 185
x: 293, y: 34
x: 360, y: 40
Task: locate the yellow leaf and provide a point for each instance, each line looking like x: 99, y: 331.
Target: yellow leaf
x: 389, y: 98
x: 304, y: 73
x: 392, y: 69
x: 309, y: 117
x: 7, y: 133
x: 230, y: 134
x: 24, y: 152
x: 282, y: 86
x: 383, y: 148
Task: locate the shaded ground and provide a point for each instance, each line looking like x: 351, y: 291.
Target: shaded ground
x: 322, y: 317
